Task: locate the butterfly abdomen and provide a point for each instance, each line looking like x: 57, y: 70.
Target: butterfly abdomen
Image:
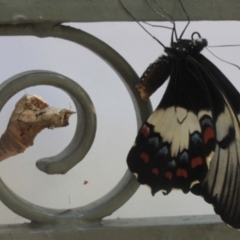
x: 154, y: 76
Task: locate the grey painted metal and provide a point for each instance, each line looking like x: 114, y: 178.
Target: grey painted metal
x: 35, y: 11
x: 84, y: 222
x: 71, y: 155
x: 128, y: 185
x: 178, y: 228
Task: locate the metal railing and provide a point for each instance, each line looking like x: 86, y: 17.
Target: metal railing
x: 29, y: 18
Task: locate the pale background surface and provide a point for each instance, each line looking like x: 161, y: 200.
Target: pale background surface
x: 105, y: 164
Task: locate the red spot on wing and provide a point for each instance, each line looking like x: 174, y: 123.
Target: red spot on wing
x: 182, y: 173
x: 155, y: 171
x: 145, y: 131
x: 144, y: 157
x: 198, y: 161
x: 208, y: 134
x: 168, y: 175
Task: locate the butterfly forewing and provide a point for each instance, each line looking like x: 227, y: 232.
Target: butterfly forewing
x: 221, y: 83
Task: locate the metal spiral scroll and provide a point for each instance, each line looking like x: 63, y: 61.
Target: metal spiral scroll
x: 86, y: 117
x: 82, y: 139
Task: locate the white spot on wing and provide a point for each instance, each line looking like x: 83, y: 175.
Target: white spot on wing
x: 224, y: 121
x: 194, y: 183
x: 204, y: 112
x: 174, y: 125
x: 192, y: 123
x: 209, y: 158
x: 181, y: 114
x: 154, y: 118
x: 136, y: 175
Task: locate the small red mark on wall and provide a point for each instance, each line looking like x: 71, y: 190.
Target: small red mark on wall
x: 85, y: 182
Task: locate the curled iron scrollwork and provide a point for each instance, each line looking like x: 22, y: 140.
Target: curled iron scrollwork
x: 76, y: 150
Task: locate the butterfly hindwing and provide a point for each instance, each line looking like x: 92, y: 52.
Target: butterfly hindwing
x: 173, y: 146
x: 221, y: 186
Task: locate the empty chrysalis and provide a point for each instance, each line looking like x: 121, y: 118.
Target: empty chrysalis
x: 30, y: 116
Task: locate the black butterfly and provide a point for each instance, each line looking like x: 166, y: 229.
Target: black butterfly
x: 192, y: 140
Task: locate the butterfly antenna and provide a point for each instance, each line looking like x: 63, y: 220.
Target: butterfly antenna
x: 141, y: 24
x: 235, y: 65
x: 153, y: 25
x: 171, y: 19
x: 232, y: 45
x: 158, y: 13
x: 188, y: 18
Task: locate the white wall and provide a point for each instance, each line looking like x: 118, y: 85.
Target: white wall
x: 105, y: 164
